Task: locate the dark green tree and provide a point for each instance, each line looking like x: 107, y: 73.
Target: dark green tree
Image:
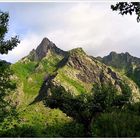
x: 6, y: 45
x: 85, y: 108
x: 125, y: 8
x: 6, y: 84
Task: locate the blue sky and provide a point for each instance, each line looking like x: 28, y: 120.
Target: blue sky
x: 92, y: 26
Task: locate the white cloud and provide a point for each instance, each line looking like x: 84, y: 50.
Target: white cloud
x: 92, y: 26
x: 26, y: 45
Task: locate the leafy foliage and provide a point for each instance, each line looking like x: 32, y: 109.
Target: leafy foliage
x: 116, y: 124
x: 6, y: 85
x: 7, y: 45
x: 127, y: 8
x: 86, y: 107
x: 5, y: 73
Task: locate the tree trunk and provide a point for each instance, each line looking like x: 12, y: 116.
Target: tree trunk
x: 93, y: 120
x: 87, y: 130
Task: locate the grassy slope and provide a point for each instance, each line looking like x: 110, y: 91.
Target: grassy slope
x: 44, y: 121
x: 67, y: 77
x: 30, y: 75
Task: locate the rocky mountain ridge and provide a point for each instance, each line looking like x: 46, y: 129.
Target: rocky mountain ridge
x: 56, y: 91
x: 49, y: 68
x: 120, y: 60
x: 76, y: 72
x: 125, y: 63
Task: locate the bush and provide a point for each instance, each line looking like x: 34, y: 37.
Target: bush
x: 116, y: 124
x: 71, y: 129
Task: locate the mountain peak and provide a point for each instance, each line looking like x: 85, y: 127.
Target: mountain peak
x: 77, y: 51
x: 45, y: 45
x: 45, y: 41
x: 43, y: 48
x: 113, y: 53
x: 120, y: 60
x: 126, y: 53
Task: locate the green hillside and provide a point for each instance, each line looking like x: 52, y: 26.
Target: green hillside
x: 60, y: 94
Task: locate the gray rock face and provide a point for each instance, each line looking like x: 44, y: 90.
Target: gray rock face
x: 43, y: 48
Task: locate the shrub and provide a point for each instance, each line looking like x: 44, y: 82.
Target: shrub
x: 116, y: 124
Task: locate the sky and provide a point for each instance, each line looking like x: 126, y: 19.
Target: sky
x: 90, y: 25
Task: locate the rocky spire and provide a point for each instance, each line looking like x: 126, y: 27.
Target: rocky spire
x: 43, y: 48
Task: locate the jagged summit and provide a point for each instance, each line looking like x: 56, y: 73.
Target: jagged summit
x: 47, y: 46
x: 45, y: 41
x: 73, y: 71
x: 120, y: 59
x: 77, y: 72
x: 43, y: 48
x: 77, y: 52
x: 79, y: 49
x: 124, y: 62
x: 73, y: 57
x: 113, y: 53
